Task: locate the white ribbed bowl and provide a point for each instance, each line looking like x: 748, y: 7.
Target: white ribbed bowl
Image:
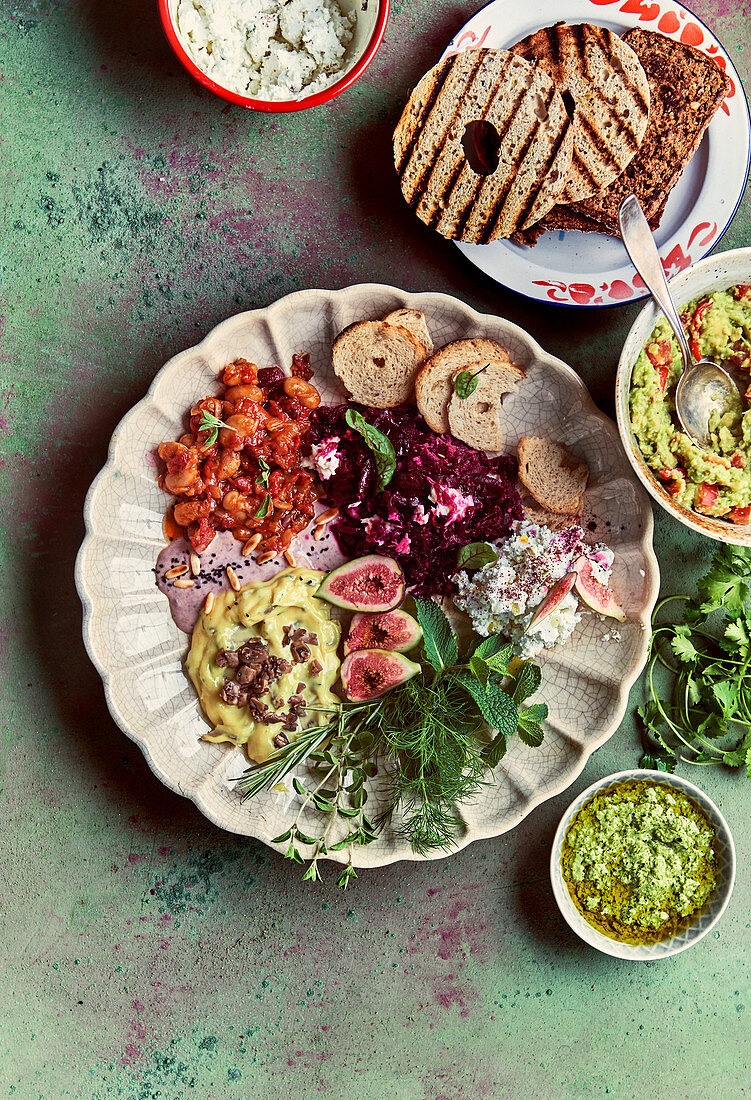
x: 138, y: 650
x: 712, y: 911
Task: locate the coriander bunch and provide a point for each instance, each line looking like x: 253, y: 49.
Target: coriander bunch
x: 698, y: 677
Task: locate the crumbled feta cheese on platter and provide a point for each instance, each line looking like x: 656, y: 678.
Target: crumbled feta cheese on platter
x: 501, y: 598
x: 267, y: 49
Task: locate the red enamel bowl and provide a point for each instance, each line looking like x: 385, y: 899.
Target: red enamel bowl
x: 372, y: 18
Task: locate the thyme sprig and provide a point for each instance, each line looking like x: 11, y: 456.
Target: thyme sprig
x: 427, y: 738
x: 704, y: 716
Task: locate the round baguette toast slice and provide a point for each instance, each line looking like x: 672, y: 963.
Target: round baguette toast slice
x: 477, y: 419
x: 551, y: 475
x: 535, y: 513
x: 522, y: 116
x: 434, y: 384
x: 610, y: 93
x: 378, y: 362
x: 414, y: 321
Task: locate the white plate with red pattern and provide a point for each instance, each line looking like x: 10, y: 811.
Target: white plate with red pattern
x: 592, y: 269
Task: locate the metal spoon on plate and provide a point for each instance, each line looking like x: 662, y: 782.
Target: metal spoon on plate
x: 704, y: 387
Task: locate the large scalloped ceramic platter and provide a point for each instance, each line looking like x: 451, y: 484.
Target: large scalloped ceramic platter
x: 139, y: 651
x: 592, y: 269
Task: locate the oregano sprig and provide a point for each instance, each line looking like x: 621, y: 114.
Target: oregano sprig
x: 212, y: 424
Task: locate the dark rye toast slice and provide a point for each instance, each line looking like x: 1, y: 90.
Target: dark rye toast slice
x: 609, y: 99
x: 687, y: 88
x: 520, y: 103
x: 563, y: 217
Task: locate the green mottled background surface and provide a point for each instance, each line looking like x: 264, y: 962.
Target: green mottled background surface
x: 145, y: 953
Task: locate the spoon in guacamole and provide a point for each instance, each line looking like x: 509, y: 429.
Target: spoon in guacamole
x: 704, y: 387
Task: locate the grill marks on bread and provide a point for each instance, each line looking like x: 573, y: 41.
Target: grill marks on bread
x: 686, y: 89
x: 610, y: 93
x: 520, y: 102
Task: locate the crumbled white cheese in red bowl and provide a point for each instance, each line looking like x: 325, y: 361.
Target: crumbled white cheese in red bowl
x: 279, y: 53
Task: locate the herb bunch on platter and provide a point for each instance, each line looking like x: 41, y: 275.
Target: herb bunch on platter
x: 429, y: 744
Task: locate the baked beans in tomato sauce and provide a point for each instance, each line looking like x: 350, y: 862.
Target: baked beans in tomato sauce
x: 249, y: 479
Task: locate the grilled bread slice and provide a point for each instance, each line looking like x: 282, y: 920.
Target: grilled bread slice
x: 378, y: 362
x: 434, y: 384
x: 476, y: 419
x: 609, y: 96
x: 414, y: 321
x: 687, y: 88
x: 518, y: 105
x: 551, y: 475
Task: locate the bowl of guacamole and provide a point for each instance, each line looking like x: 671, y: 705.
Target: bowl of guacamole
x: 643, y: 865
x: 707, y: 489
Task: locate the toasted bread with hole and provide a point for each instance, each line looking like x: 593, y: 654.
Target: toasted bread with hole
x: 434, y: 384
x: 477, y: 419
x: 517, y: 103
x: 551, y: 475
x: 609, y: 96
x: 378, y: 362
x: 414, y: 321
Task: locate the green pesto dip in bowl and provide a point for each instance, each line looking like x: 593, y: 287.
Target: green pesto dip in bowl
x: 643, y: 865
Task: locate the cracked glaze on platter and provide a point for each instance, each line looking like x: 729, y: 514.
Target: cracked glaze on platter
x: 138, y: 650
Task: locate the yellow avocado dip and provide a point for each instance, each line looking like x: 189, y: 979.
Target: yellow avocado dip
x: 715, y: 480
x: 639, y: 861
x: 261, y: 657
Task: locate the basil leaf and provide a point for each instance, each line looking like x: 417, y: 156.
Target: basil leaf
x: 439, y: 640
x: 380, y: 446
x: 475, y: 555
x: 263, y: 511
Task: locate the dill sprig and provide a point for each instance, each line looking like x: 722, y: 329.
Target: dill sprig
x: 431, y: 735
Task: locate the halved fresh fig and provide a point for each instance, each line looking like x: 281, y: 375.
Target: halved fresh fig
x: 395, y: 631
x: 372, y: 583
x: 368, y: 673
x: 596, y: 594
x: 555, y: 596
